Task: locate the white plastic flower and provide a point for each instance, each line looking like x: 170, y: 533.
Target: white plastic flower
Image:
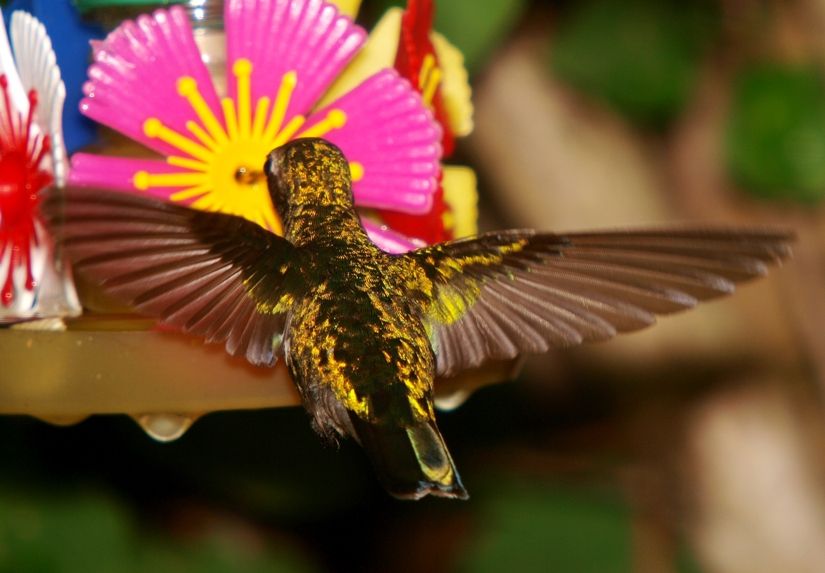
x: 33, y: 283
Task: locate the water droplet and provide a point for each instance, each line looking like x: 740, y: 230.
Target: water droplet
x: 452, y: 401
x: 165, y: 427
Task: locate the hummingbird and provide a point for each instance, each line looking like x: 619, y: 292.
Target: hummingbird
x: 365, y: 333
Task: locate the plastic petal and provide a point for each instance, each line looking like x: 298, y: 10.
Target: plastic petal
x: 38, y: 71
x: 394, y: 138
x: 348, y: 7
x: 135, y: 76
x: 117, y: 173
x: 17, y: 94
x: 23, y: 301
x: 54, y: 294
x: 308, y: 37
x: 461, y: 196
x: 456, y: 92
x: 377, y: 54
x: 388, y: 240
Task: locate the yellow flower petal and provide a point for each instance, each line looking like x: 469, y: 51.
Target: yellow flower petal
x: 377, y: 54
x: 348, y: 7
x: 461, y: 196
x: 455, y: 86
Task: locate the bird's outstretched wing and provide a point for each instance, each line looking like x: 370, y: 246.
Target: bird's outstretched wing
x: 209, y: 274
x: 502, y: 294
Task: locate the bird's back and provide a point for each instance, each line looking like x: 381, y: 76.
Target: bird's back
x: 363, y: 362
x: 356, y: 335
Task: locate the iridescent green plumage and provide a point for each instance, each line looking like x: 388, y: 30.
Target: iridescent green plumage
x: 364, y: 332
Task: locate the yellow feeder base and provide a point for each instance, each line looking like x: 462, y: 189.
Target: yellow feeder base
x: 121, y: 364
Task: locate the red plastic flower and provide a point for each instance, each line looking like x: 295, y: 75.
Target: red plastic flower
x: 417, y: 61
x: 33, y: 284
x: 22, y: 177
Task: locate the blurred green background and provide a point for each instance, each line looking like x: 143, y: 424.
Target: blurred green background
x: 693, y: 447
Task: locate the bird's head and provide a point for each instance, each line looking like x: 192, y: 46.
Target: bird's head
x: 308, y: 173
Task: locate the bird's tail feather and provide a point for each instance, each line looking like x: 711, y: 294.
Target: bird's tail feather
x: 411, y: 461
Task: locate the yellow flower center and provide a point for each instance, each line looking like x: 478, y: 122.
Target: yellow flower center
x: 221, y: 164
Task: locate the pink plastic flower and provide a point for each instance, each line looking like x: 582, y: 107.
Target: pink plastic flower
x: 148, y: 81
